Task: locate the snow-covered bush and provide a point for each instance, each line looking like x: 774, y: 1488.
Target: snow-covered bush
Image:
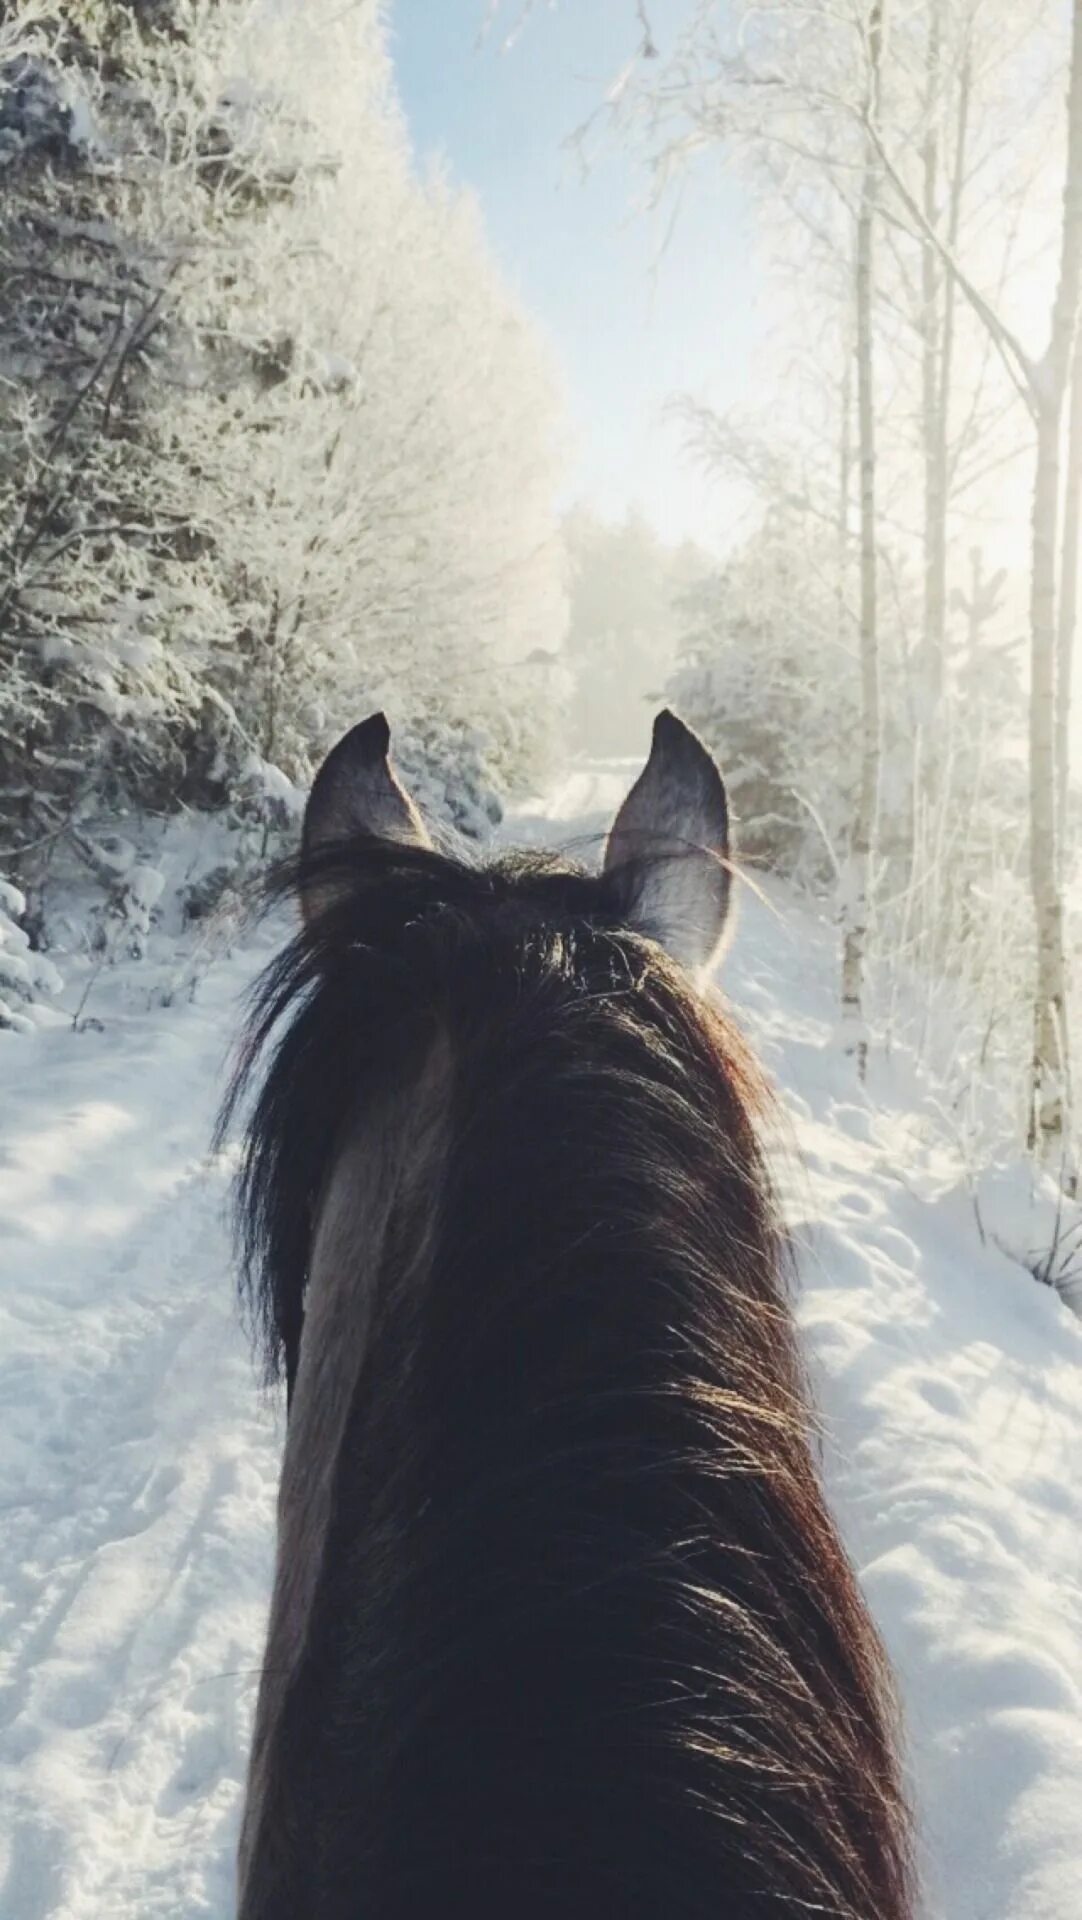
x: 25, y: 976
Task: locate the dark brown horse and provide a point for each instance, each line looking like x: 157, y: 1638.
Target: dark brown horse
x: 561, y: 1625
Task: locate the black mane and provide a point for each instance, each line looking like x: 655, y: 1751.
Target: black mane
x: 355, y: 989
x: 586, y: 1641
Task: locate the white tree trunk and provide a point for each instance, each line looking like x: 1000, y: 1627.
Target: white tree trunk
x: 845, y: 485
x: 855, y: 902
x: 1049, y: 1045
x: 1050, y: 1083
x: 939, y: 301
x: 1067, y: 616
x: 934, y: 396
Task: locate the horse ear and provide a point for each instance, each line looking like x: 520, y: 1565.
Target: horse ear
x: 670, y: 842
x: 356, y: 792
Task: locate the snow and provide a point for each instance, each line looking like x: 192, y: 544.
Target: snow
x: 138, y: 1472
x: 271, y: 784
x: 139, y: 1458
x: 21, y: 969
x: 951, y: 1385
x: 145, y: 885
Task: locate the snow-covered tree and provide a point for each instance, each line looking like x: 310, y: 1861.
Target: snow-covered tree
x: 386, y: 505
x: 625, y: 587
x: 275, y: 442
x: 763, y: 674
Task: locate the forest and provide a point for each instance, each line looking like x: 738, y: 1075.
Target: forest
x: 276, y: 441
x: 888, y: 658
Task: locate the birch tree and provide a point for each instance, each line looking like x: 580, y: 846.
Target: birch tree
x: 856, y: 885
x: 1067, y: 615
x: 1048, y: 384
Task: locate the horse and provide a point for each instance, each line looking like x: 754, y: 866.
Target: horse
x: 561, y: 1624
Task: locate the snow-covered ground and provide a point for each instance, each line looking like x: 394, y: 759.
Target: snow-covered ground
x: 138, y: 1458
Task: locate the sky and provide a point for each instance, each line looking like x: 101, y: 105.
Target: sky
x: 629, y: 324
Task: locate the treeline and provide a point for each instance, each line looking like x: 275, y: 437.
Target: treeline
x: 276, y: 445
x: 889, y: 661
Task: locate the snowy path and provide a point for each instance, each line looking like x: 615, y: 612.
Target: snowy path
x: 138, y: 1459
x: 137, y: 1477
x: 951, y: 1385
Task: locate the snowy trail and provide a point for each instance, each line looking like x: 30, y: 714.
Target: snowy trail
x: 138, y: 1459
x: 139, y: 1467
x: 951, y: 1388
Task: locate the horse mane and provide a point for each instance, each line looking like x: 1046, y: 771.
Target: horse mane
x: 586, y: 1639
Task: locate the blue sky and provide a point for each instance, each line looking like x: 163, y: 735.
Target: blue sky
x: 579, y: 254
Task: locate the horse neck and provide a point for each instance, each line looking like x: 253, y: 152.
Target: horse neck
x: 546, y: 1337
